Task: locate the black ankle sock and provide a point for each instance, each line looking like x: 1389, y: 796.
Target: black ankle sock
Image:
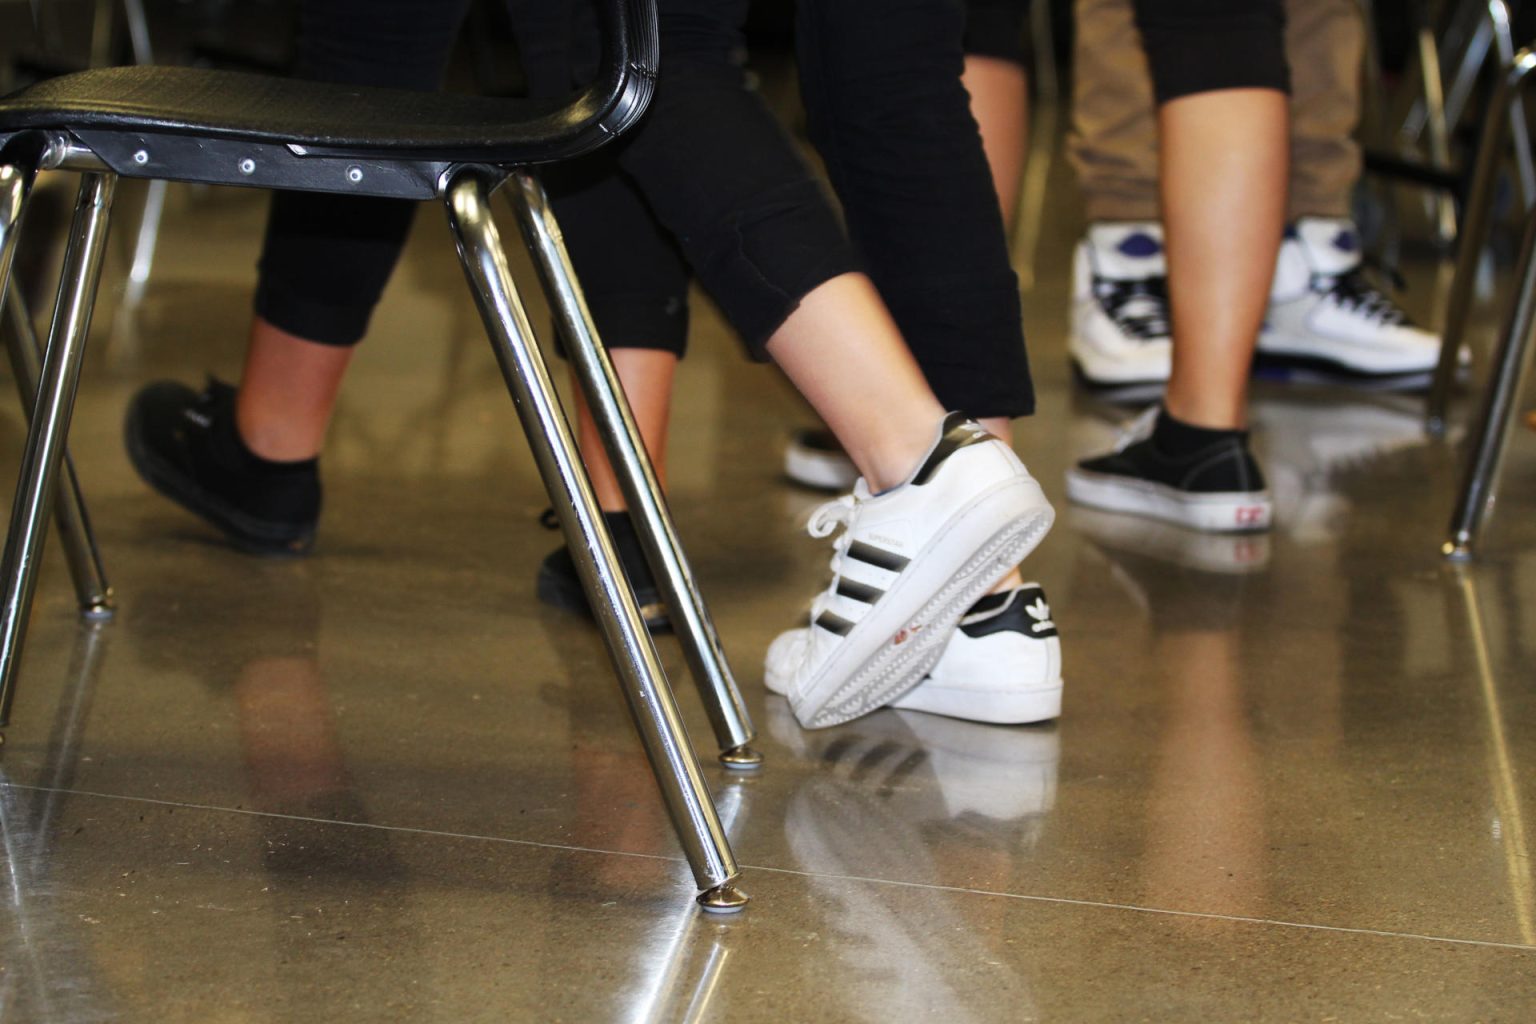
x: 1177, y: 439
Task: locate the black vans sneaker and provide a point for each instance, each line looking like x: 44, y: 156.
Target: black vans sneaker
x: 184, y: 444
x: 1217, y: 488
x: 559, y: 586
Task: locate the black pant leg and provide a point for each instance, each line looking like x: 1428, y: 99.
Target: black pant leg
x: 881, y: 80
x: 1204, y: 45
x: 721, y: 175
x: 631, y: 271
x: 326, y: 259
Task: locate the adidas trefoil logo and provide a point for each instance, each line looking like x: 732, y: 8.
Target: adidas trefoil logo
x: 1040, y: 613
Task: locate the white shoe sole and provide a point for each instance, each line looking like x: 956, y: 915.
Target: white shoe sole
x: 1106, y: 371
x: 894, y: 647
x: 1221, y: 512
x: 1003, y: 707
x: 1361, y: 361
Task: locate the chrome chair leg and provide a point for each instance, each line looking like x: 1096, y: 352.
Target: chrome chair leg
x: 554, y: 448
x: 626, y: 449
x: 92, y: 590
x: 49, y: 429
x: 138, y: 31
x: 1474, y: 232
x: 1480, y: 482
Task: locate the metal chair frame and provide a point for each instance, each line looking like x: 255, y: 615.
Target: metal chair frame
x: 1480, y: 476
x: 34, y: 136
x: 1438, y: 96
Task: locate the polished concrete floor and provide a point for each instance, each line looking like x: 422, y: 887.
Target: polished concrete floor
x: 1295, y: 778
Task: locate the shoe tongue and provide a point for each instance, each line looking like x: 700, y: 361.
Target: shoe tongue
x: 1332, y: 245
x: 1127, y: 252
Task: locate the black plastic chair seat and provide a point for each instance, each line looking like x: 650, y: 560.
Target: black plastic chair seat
x: 321, y: 117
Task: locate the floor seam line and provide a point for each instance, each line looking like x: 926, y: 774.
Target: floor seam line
x: 934, y: 887
x: 1135, y: 908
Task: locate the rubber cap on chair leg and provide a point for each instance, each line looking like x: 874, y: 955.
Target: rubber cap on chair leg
x: 741, y: 759
x: 723, y: 899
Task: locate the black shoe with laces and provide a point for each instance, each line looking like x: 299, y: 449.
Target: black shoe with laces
x: 559, y: 586
x: 1217, y: 487
x: 185, y: 445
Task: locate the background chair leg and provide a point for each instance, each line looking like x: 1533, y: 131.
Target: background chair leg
x: 1480, y: 483
x: 50, y: 421
x: 80, y: 551
x: 554, y: 448
x: 1474, y: 232
x: 147, y: 240
x: 15, y: 189
x: 626, y: 449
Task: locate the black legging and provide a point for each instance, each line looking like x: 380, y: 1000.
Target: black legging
x: 1191, y: 45
x: 887, y: 111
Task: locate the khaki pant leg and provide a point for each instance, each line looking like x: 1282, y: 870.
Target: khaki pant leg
x: 1325, y: 42
x: 1113, y: 145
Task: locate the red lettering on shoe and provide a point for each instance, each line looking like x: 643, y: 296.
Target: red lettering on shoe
x: 1250, y: 515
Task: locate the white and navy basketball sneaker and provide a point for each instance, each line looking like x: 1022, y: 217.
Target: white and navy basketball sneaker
x: 908, y: 564
x: 1327, y: 317
x: 1002, y: 665
x: 1120, y: 333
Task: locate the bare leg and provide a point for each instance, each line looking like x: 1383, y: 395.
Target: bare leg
x: 287, y: 393
x: 843, y: 352
x: 647, y: 376
x: 1224, y: 161
x: 1000, y: 103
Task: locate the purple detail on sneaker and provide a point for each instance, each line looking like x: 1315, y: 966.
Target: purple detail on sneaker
x: 1139, y: 246
x: 1291, y: 233
x: 1347, y: 241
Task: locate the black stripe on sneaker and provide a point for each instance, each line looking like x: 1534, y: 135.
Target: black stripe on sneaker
x: 959, y: 431
x: 859, y: 591
x: 890, y: 561
x: 990, y: 604
x: 834, y: 623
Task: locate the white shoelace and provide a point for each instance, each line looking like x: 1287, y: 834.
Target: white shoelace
x: 824, y: 522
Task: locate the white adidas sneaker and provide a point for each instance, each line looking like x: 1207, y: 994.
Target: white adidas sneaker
x: 1325, y: 314
x: 1120, y: 325
x: 909, y: 563
x: 1002, y: 665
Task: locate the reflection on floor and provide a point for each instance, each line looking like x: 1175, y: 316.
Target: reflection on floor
x: 1293, y: 779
